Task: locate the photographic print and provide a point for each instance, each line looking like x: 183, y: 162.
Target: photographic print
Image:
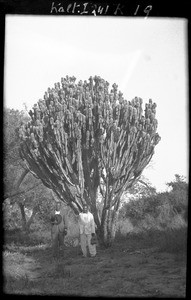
x: 95, y: 122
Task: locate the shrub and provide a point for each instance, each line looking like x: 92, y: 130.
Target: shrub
x: 158, y: 210
x: 11, y: 216
x: 124, y: 227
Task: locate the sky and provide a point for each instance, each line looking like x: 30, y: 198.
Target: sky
x: 145, y: 57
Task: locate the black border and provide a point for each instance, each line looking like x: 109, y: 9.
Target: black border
x: 178, y: 9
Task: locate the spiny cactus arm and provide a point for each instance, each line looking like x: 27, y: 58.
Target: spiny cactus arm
x: 87, y: 170
x: 132, y: 177
x: 25, y: 172
x: 68, y: 169
x: 45, y: 159
x: 48, y: 177
x: 118, y: 193
x: 31, y: 163
x: 34, y: 165
x: 57, y: 169
x: 76, y: 201
x: 132, y: 149
x: 76, y: 208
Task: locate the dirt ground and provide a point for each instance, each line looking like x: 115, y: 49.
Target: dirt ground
x: 124, y: 270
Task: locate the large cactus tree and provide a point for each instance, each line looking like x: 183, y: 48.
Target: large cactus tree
x: 83, y: 138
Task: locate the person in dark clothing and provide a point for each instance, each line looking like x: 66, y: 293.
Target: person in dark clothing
x: 59, y: 228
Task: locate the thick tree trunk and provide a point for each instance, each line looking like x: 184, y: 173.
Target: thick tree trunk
x: 94, y: 208
x: 107, y: 230
x: 23, y: 175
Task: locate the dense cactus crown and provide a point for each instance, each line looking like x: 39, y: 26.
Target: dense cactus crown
x: 81, y: 133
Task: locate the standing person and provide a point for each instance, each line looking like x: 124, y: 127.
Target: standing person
x: 87, y: 231
x: 59, y: 228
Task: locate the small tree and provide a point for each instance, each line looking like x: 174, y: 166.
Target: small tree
x: 82, y: 138
x: 13, y: 164
x: 12, y: 119
x: 21, y: 187
x: 138, y: 200
x: 179, y: 195
x: 30, y: 196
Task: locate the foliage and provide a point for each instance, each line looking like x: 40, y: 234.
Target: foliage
x: 37, y: 204
x: 39, y: 197
x: 142, y: 188
x: 82, y: 137
x: 162, y: 210
x: 13, y: 165
x: 31, y: 194
x: 179, y: 195
x: 136, y: 209
x: 179, y: 184
x: 11, y: 216
x: 12, y: 120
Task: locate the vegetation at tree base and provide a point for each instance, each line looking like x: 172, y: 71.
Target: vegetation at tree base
x: 82, y: 138
x: 157, y: 254
x: 154, y: 258
x: 156, y: 216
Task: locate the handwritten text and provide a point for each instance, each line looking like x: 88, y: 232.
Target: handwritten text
x: 88, y: 8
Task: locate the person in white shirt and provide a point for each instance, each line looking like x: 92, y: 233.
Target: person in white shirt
x: 87, y: 231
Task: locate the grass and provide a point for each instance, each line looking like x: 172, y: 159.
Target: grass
x: 169, y: 240
x: 32, y: 238
x: 125, y: 269
x: 172, y: 240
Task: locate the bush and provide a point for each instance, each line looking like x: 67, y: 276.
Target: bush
x: 123, y: 227
x: 163, y: 206
x: 157, y: 211
x: 135, y: 210
x: 11, y: 216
